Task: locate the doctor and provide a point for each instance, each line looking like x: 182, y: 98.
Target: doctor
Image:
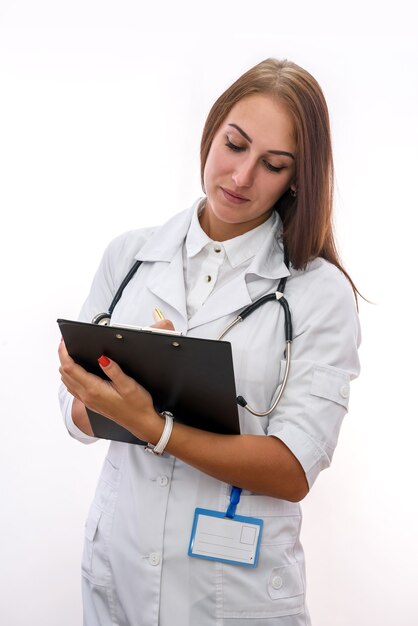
x: 267, y: 177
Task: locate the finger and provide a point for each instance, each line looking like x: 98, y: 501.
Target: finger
x: 90, y: 389
x: 62, y: 350
x: 78, y: 384
x: 67, y: 364
x: 66, y: 360
x: 164, y: 325
x: 74, y: 376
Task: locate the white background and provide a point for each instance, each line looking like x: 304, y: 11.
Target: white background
x: 101, y: 109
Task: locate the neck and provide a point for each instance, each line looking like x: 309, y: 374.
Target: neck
x: 218, y: 230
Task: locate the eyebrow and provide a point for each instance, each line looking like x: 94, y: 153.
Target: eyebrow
x: 244, y: 134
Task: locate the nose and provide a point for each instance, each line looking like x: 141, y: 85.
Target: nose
x: 243, y: 175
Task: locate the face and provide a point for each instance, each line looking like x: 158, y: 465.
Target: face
x: 250, y: 165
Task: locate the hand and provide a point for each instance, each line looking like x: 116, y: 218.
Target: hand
x: 258, y: 463
x: 121, y: 398
x: 164, y: 325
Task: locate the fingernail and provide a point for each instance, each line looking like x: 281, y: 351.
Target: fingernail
x: 104, y: 361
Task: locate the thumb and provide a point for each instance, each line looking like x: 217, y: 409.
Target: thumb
x: 113, y: 371
x: 104, y: 361
x: 123, y: 384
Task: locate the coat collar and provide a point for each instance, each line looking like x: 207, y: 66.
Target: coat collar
x: 164, y: 248
x: 267, y: 267
x: 237, y: 250
x: 166, y: 240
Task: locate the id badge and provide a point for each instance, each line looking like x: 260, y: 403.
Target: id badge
x: 217, y: 537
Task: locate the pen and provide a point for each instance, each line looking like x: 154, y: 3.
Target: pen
x: 158, y: 315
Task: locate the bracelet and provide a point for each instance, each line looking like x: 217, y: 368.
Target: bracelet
x: 159, y: 447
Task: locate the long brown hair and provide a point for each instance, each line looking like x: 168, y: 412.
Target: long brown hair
x: 307, y: 218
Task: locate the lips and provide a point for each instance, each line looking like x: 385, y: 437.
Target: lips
x: 233, y: 196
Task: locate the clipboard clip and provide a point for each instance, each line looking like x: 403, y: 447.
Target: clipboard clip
x: 149, y: 329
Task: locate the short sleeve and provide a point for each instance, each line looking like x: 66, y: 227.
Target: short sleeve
x: 324, y: 362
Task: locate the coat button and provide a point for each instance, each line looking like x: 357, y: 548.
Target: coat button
x: 162, y: 481
x: 344, y: 391
x: 208, y: 278
x: 218, y: 249
x: 154, y: 558
x: 277, y: 582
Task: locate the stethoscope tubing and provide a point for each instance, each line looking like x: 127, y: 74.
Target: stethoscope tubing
x: 277, y: 295
x: 104, y: 319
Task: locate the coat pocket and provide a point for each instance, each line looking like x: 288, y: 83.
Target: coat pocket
x: 332, y: 384
x: 275, y: 588
x: 92, y: 524
x: 95, y: 561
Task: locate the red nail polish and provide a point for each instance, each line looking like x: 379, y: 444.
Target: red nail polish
x: 104, y: 361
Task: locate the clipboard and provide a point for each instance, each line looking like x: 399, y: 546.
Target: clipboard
x: 192, y: 378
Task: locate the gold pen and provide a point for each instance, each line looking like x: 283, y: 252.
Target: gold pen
x: 158, y: 315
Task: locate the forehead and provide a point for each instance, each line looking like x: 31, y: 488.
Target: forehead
x: 264, y: 118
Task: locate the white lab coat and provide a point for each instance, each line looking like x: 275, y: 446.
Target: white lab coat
x: 135, y: 567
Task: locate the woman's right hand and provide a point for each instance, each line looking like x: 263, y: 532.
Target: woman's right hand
x: 79, y: 412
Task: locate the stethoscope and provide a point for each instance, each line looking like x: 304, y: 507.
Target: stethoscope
x: 104, y: 319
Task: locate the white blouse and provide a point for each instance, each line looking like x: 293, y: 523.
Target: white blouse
x: 212, y: 264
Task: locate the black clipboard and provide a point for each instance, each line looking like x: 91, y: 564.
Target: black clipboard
x: 190, y: 377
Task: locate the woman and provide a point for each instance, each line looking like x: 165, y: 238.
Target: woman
x: 267, y: 177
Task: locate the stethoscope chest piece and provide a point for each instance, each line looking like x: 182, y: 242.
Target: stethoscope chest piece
x: 102, y: 319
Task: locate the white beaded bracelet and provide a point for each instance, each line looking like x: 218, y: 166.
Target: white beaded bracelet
x: 159, y: 447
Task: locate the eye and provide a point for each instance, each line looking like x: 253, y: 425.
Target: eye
x: 233, y: 146
x: 272, y: 168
